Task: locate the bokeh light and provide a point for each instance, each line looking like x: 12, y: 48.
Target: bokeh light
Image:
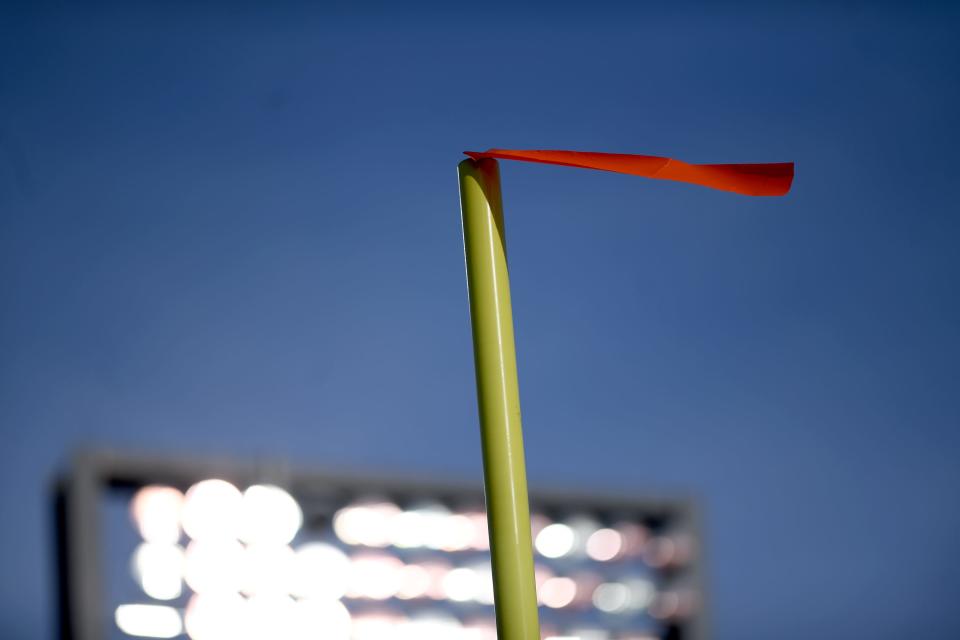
x: 415, y: 582
x: 461, y: 584
x: 216, y: 616
x: 214, y: 567
x: 267, y: 569
x: 612, y: 597
x: 156, y: 513
x: 604, y: 545
x: 375, y: 626
x: 320, y: 572
x: 271, y: 615
x: 158, y: 568
x: 148, y: 620
x: 269, y: 515
x: 321, y: 619
x: 375, y: 576
x: 211, y: 511
x: 558, y: 592
x: 429, y: 626
x: 426, y: 565
x: 555, y: 540
x: 367, y: 522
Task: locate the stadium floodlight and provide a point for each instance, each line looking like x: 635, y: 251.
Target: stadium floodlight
x: 491, y: 315
x: 352, y: 556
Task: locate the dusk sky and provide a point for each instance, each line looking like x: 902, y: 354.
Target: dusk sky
x: 235, y: 230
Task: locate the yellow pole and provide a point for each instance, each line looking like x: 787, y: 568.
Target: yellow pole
x: 498, y: 397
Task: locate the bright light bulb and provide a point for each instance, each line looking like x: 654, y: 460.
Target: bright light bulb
x: 220, y: 616
x: 214, y: 567
x: 211, y: 511
x: 415, y: 582
x: 327, y: 619
x: 156, y: 512
x: 321, y: 571
x: 642, y: 593
x: 583, y: 526
x: 457, y: 533
x: 377, y: 577
x: 437, y: 570
x: 366, y: 522
x: 148, y: 620
x: 429, y: 627
x: 480, y: 630
x: 604, y: 545
x: 269, y: 515
x: 557, y: 593
x: 159, y: 570
x: 555, y: 540
x: 407, y: 530
x: 484, y: 573
x: 375, y: 626
x: 590, y: 634
x: 430, y: 525
x: 612, y: 597
x: 435, y: 522
x: 271, y: 616
x: 267, y: 569
x: 461, y: 585
x: 481, y: 534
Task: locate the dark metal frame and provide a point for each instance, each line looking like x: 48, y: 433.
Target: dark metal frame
x: 77, y: 494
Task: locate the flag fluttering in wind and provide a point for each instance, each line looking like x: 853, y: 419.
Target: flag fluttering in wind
x: 766, y: 179
x: 494, y: 352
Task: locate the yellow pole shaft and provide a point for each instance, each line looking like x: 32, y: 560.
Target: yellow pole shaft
x: 498, y: 396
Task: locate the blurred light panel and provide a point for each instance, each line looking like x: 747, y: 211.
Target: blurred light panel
x: 256, y: 564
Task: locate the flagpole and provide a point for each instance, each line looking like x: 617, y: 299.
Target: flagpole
x: 498, y: 399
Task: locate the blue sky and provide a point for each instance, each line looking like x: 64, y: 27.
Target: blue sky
x: 236, y: 229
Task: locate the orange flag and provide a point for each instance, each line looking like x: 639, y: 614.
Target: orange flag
x: 769, y: 179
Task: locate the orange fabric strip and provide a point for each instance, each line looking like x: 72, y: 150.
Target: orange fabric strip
x: 770, y: 179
